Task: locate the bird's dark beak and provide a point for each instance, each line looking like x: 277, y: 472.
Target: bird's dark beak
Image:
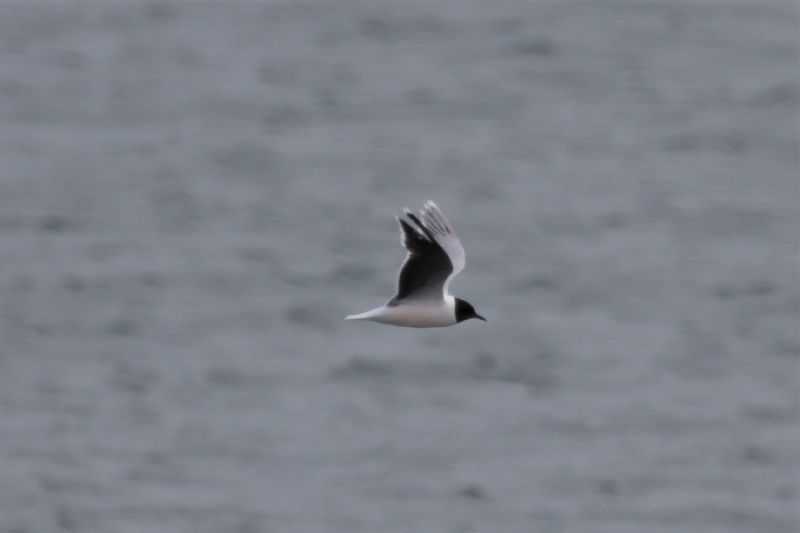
x: 479, y: 317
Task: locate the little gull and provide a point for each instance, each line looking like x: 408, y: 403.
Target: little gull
x: 435, y: 256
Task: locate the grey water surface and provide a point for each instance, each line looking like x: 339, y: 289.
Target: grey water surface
x: 194, y: 194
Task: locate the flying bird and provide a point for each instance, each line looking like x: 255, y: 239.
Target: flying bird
x: 435, y: 256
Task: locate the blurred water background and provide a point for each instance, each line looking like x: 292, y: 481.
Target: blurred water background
x: 193, y: 195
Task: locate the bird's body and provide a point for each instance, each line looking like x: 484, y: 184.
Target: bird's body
x: 413, y: 315
x: 435, y: 256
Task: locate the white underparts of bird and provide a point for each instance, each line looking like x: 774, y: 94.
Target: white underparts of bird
x: 435, y: 256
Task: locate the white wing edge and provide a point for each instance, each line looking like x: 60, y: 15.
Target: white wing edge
x: 446, y: 237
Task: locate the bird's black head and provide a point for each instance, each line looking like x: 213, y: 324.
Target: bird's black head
x: 465, y: 311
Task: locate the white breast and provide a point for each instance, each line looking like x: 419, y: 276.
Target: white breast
x: 423, y: 314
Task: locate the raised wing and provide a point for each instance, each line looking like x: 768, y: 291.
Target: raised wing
x: 445, y: 236
x: 435, y: 255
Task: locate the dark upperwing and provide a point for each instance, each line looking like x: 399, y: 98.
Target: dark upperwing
x: 426, y: 267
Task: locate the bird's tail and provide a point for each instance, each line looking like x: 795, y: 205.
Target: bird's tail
x: 369, y: 315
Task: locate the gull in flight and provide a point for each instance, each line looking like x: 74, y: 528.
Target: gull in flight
x: 435, y: 256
